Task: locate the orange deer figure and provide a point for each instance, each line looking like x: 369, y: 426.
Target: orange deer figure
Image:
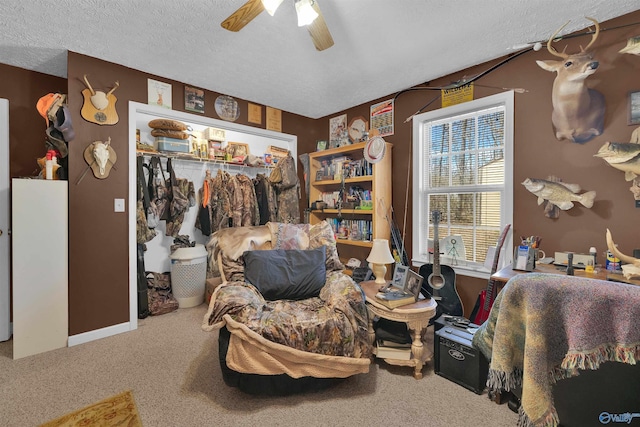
x: 578, y: 111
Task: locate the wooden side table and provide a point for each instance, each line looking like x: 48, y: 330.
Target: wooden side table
x: 416, y: 316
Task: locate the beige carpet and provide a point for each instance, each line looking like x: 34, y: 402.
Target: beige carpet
x: 171, y: 366
x: 118, y: 410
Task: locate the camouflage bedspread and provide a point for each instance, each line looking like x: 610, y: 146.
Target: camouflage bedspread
x: 333, y: 324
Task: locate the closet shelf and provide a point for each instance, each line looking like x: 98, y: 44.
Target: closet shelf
x: 193, y: 159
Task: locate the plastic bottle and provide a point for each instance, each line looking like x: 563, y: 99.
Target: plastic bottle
x: 49, y: 165
x: 593, y: 253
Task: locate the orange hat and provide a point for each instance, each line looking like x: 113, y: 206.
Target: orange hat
x: 45, y: 103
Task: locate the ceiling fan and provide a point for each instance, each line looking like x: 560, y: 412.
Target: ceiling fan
x: 308, y: 14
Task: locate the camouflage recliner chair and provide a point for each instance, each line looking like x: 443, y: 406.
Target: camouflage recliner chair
x: 289, y: 318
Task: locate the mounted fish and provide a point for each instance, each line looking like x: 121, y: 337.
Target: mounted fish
x: 558, y: 194
x: 624, y: 156
x: 632, y: 268
x: 632, y: 47
x: 99, y: 107
x: 578, y: 111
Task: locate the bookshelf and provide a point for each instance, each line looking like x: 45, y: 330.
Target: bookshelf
x: 366, y: 192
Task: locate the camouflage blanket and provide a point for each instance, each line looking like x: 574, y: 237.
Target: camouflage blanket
x: 334, y: 324
x: 544, y: 327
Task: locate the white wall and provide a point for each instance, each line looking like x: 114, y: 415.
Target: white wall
x: 158, y: 249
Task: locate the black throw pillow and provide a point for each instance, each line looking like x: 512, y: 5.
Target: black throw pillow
x: 286, y: 274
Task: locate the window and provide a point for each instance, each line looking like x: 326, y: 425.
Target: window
x: 463, y: 169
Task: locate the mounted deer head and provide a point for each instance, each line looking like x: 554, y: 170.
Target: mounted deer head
x: 99, y: 99
x: 578, y: 112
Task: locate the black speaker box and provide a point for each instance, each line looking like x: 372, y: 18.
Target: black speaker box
x: 456, y: 360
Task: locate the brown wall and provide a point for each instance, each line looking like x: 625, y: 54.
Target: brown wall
x: 537, y: 152
x: 98, y: 237
x: 98, y: 288
x: 23, y: 88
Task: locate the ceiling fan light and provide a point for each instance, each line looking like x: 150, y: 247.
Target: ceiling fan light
x: 306, y: 13
x: 271, y: 6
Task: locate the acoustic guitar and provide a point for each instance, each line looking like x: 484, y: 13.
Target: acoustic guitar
x: 441, y: 279
x: 485, y: 300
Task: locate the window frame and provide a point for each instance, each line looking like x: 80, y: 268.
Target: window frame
x: 505, y: 99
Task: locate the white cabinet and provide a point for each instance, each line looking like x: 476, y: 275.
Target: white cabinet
x: 40, y: 265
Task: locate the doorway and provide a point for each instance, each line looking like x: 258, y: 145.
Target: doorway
x: 5, y: 241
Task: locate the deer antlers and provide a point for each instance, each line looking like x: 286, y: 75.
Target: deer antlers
x: 565, y: 55
x: 93, y: 92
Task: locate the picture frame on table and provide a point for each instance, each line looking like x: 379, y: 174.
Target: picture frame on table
x: 399, y: 276
x: 413, y: 283
x: 321, y: 145
x: 634, y: 108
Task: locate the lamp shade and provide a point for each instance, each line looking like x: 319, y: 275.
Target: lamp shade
x: 380, y: 253
x: 271, y: 5
x: 306, y: 13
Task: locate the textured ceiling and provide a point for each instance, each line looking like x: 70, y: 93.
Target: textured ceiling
x: 381, y: 46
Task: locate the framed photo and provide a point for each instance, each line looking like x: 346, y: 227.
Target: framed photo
x: 399, y: 275
x: 238, y: 149
x: 319, y: 175
x: 158, y: 93
x: 634, y: 108
x: 413, y: 283
x: 193, y: 99
x: 321, y: 144
x: 337, y: 131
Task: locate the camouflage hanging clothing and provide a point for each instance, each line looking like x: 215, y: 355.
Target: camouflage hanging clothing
x: 250, y: 213
x: 219, y: 203
x: 287, y: 185
x: 180, y: 189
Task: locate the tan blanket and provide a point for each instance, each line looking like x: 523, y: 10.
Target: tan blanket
x: 252, y: 354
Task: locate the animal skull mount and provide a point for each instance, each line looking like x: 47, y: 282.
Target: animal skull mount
x: 99, y: 107
x: 578, y: 111
x: 101, y: 157
x: 632, y: 268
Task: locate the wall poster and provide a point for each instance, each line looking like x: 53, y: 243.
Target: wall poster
x: 338, y: 131
x: 159, y: 93
x: 193, y: 99
x: 254, y: 113
x: 382, y: 117
x: 274, y: 119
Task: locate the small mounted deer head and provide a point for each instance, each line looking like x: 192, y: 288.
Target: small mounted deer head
x: 99, y: 99
x: 578, y: 112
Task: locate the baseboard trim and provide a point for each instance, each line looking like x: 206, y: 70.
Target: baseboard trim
x: 98, y: 334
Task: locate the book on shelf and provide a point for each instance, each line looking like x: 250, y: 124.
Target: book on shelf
x: 385, y: 352
x: 395, y: 298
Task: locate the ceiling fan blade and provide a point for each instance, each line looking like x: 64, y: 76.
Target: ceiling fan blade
x: 319, y: 31
x: 241, y: 17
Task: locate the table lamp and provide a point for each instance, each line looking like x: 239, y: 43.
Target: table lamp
x: 379, y: 256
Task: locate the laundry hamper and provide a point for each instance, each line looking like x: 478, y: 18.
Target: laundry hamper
x: 189, y: 275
